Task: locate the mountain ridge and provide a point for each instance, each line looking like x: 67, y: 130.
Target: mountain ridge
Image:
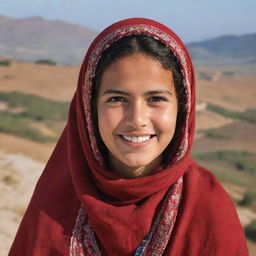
x: 30, y: 39
x: 229, y: 49
x: 33, y: 38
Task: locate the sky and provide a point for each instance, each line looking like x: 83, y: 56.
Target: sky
x: 192, y: 20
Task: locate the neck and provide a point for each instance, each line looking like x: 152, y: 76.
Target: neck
x: 128, y: 172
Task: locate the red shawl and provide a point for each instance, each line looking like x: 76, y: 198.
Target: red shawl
x: 77, y: 198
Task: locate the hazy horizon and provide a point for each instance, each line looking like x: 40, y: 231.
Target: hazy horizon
x: 191, y: 20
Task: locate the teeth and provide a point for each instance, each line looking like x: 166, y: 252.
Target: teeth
x: 136, y: 139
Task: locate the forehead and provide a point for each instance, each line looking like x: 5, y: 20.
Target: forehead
x: 138, y: 59
x: 136, y: 72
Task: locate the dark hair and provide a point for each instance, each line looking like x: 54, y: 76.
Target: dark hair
x: 127, y: 46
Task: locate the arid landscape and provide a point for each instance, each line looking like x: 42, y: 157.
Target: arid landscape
x: 230, y: 88
x: 38, y: 79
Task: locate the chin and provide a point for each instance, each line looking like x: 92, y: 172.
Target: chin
x: 137, y: 163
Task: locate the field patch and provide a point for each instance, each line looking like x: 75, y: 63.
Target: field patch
x: 31, y: 116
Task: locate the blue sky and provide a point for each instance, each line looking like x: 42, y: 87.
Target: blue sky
x: 192, y: 20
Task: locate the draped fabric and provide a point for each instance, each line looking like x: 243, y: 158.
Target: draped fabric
x: 78, y: 201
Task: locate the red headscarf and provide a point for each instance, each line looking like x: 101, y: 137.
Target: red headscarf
x: 81, y: 208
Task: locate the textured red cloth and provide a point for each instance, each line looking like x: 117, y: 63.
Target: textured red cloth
x: 206, y: 224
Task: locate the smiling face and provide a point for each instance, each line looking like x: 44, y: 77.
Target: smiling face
x: 137, y: 110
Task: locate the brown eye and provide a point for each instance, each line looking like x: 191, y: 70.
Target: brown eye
x: 157, y: 99
x: 116, y: 99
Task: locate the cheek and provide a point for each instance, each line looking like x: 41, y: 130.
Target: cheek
x: 108, y: 119
x: 166, y: 120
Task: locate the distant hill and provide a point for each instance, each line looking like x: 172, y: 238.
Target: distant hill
x: 228, y: 49
x: 30, y: 39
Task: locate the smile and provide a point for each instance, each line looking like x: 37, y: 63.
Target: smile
x: 136, y: 139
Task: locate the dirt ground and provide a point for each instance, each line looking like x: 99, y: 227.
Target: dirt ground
x: 18, y: 177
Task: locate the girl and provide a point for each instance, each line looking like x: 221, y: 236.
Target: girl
x: 120, y: 180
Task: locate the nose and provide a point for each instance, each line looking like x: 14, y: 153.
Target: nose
x: 136, y: 115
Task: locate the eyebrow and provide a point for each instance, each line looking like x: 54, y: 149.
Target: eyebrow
x: 114, y: 91
x: 164, y: 91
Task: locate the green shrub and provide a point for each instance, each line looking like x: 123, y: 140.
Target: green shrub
x: 34, y: 109
x: 240, y: 159
x: 46, y: 62
x: 249, y: 115
x: 5, y: 63
x: 21, y: 127
x: 248, y: 199
x: 250, y: 231
x: 37, y: 108
x: 224, y: 155
x: 228, y: 73
x: 241, y: 164
x: 216, y: 134
x: 8, y: 76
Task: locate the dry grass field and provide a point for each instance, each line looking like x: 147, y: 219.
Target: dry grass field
x: 230, y: 87
x: 22, y: 159
x: 51, y: 82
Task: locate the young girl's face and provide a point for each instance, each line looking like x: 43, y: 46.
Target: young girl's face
x: 137, y: 110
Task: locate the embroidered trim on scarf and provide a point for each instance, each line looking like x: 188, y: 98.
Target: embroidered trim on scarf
x: 92, y: 64
x: 83, y: 241
x: 83, y: 238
